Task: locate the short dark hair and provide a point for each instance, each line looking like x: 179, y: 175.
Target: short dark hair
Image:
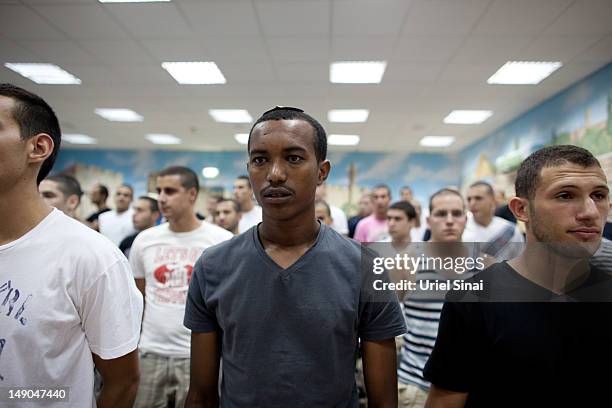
x: 245, y: 178
x: 34, y: 116
x: 67, y: 184
x: 486, y: 185
x: 129, y: 187
x: 153, y: 206
x: 406, y: 207
x: 444, y: 191
x: 280, y: 113
x: 529, y: 172
x: 235, y: 203
x: 406, y: 188
x: 189, y: 179
x: 323, y: 204
x: 103, y: 190
x: 386, y: 187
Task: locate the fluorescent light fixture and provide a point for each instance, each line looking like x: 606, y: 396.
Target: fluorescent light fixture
x: 43, y: 73
x: 195, y: 73
x: 242, y: 138
x: 119, y: 115
x: 163, y: 139
x: 357, y: 72
x: 78, y: 139
x: 210, y: 172
x: 343, y: 140
x: 468, y: 117
x: 523, y: 72
x: 348, y: 115
x: 230, y: 115
x: 437, y: 141
x: 133, y: 1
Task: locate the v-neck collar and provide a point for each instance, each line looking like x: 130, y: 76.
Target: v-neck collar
x: 285, y: 272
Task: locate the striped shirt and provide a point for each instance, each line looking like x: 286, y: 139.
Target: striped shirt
x: 422, y: 314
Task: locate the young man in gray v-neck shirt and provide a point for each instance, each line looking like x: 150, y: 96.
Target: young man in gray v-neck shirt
x: 286, y: 302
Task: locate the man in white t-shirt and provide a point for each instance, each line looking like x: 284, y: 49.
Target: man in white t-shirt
x: 251, y: 212
x: 117, y: 224
x: 68, y: 300
x: 162, y: 259
x: 340, y: 222
x: 500, y: 237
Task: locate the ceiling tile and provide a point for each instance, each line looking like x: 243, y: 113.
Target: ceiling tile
x: 117, y: 52
x: 228, y: 18
x: 235, y: 49
x: 59, y: 52
x: 498, y: 50
x: 442, y: 17
x: 427, y: 48
x: 557, y: 48
x: 299, y: 49
x: 362, y: 48
x: 600, y: 52
x: 146, y: 20
x: 282, y: 18
x: 303, y: 72
x: 176, y: 50
x: 260, y: 72
x: 596, y: 15
x: 21, y: 23
x: 12, y: 52
x: 365, y: 17
x: 83, y: 22
x: 519, y: 17
x: 413, y: 71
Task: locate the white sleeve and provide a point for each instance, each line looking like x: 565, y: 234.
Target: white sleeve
x: 340, y: 221
x: 518, y: 236
x: 111, y: 312
x: 136, y: 261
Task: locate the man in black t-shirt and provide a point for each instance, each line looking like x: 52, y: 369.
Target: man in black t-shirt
x: 539, y: 331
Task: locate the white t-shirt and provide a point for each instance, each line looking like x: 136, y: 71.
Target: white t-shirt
x: 339, y: 218
x: 475, y: 232
x: 69, y: 292
x: 249, y: 219
x: 116, y: 226
x: 165, y: 260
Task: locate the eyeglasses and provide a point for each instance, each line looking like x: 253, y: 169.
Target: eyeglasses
x: 277, y: 108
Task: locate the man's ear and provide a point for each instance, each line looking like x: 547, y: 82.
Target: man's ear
x: 73, y: 202
x: 324, y: 168
x: 40, y: 147
x: 520, y: 208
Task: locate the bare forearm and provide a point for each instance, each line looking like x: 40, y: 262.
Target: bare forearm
x: 118, y: 394
x: 206, y: 399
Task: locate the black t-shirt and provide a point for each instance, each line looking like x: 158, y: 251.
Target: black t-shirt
x: 522, y: 354
x: 93, y: 217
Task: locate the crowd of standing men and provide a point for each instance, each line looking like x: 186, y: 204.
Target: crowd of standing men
x: 268, y: 305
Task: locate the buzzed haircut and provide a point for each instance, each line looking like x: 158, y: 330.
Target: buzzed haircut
x: 103, y: 190
x: 528, y: 176
x: 235, y: 204
x: 379, y: 186
x: 406, y: 207
x: 67, y: 184
x: 404, y: 188
x: 487, y: 186
x: 245, y: 178
x: 128, y: 187
x: 34, y: 116
x: 189, y: 179
x: 153, y: 206
x: 322, y: 203
x: 280, y: 113
x: 445, y: 191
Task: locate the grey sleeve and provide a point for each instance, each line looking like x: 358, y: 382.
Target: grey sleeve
x: 198, y: 317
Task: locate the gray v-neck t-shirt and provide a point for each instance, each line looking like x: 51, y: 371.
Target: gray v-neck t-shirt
x: 289, y: 336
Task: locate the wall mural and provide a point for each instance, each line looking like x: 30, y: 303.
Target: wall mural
x: 580, y: 115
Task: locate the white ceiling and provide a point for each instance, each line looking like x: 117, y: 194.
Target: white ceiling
x: 277, y: 52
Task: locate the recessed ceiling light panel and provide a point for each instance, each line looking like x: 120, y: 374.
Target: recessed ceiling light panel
x: 195, y: 73
x: 343, y: 140
x: 163, y: 139
x: 523, y: 72
x: 348, y: 115
x: 357, y: 72
x: 242, y: 138
x: 467, y: 117
x: 230, y: 115
x: 78, y: 139
x: 48, y: 74
x: 119, y: 115
x: 437, y: 141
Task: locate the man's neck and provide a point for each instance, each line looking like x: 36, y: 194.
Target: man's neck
x: 102, y: 206
x: 547, y: 268
x: 484, y: 222
x: 21, y: 209
x: 380, y: 216
x: 247, y: 206
x: 186, y: 223
x: 297, y: 231
x: 401, y: 242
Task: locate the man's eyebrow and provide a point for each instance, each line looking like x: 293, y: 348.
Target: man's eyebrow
x: 258, y: 151
x: 574, y: 186
x: 294, y: 149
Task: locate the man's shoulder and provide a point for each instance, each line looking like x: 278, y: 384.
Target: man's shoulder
x: 499, y: 222
x: 216, y: 232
